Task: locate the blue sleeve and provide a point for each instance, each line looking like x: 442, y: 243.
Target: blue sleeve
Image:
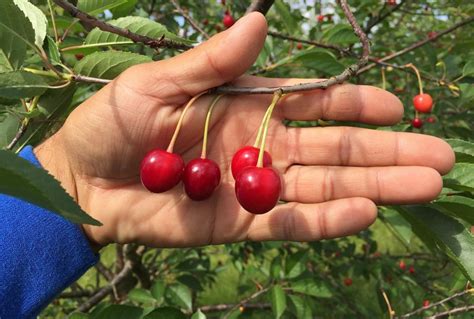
x: 41, y: 254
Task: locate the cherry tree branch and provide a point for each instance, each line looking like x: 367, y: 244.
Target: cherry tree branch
x: 261, y: 6
x: 188, y: 18
x: 418, y: 44
x: 345, y: 75
x: 451, y: 312
x: 342, y: 51
x: 380, y: 18
x: 90, y: 20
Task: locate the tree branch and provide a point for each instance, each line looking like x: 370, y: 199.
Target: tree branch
x: 88, y: 19
x: 342, y: 51
x: 188, y: 18
x: 382, y: 17
x: 224, y: 307
x: 418, y: 44
x: 261, y: 6
x: 346, y: 74
x: 454, y: 311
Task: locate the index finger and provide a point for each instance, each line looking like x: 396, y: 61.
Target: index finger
x: 342, y: 102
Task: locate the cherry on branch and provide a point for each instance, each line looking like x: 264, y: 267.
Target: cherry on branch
x: 423, y: 103
x: 160, y: 170
x: 200, y: 179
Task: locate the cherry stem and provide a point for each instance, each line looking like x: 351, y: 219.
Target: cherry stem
x: 180, y: 122
x: 420, y: 85
x: 384, y: 83
x: 260, y: 129
x: 276, y: 97
x: 206, y: 125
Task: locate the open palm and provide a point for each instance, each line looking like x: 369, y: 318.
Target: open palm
x: 332, y: 177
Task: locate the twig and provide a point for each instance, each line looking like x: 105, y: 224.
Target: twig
x: 382, y: 17
x: 346, y: 74
x: 188, y: 18
x: 247, y: 300
x: 223, y: 307
x: 104, y: 271
x: 261, y: 6
x: 76, y: 294
x: 88, y: 79
x: 453, y: 311
x: 88, y: 19
x: 389, y: 306
x: 418, y: 44
x: 456, y: 295
x: 342, y: 51
x: 19, y: 134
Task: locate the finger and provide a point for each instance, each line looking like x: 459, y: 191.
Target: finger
x: 309, y: 222
x: 349, y: 146
x: 346, y: 102
x: 383, y: 185
x: 221, y: 59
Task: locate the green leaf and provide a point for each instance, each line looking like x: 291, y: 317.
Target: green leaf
x: 95, y: 7
x: 141, y: 295
x: 198, y: 315
x: 16, y: 33
x: 278, y: 299
x: 165, y: 313
x: 180, y: 295
x: 295, y: 264
x: 37, y: 18
x: 109, y: 64
x: 5, y: 65
x: 301, y: 310
x: 464, y: 150
x: 460, y: 206
x: 119, y: 312
x: 284, y: 11
x: 461, y: 177
x: 139, y: 25
x: 124, y: 9
x: 78, y: 315
x: 319, y: 59
x: 397, y: 224
x: 158, y: 290
x: 53, y: 51
x: 340, y: 34
x: 18, y: 84
x: 468, y: 69
x: 447, y: 233
x: 311, y: 288
x: 20, y: 178
x: 9, y: 124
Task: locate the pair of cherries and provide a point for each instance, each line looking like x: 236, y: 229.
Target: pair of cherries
x: 257, y: 188
x: 423, y: 103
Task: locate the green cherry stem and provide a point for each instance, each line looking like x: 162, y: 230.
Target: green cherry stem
x: 420, y: 85
x: 384, y: 82
x: 206, y: 125
x: 180, y: 122
x: 276, y: 97
x: 260, y: 129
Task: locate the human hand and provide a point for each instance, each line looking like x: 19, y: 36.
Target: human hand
x: 332, y: 177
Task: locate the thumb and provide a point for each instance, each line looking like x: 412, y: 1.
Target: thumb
x: 221, y: 59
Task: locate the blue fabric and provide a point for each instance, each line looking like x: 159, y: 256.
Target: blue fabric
x: 41, y: 254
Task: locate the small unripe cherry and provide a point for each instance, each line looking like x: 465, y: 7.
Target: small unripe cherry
x: 201, y: 177
x: 258, y: 189
x: 417, y: 122
x: 228, y: 20
x: 423, y: 103
x: 248, y: 156
x: 348, y: 281
x: 160, y: 170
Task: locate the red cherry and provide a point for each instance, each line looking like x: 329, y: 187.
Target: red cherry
x: 79, y: 56
x: 258, y: 189
x: 248, y: 156
x: 431, y: 120
x: 426, y: 303
x: 299, y: 46
x: 348, y: 282
x: 201, y: 177
x: 432, y: 34
x: 228, y: 21
x: 320, y: 18
x: 205, y: 21
x: 423, y: 103
x: 417, y: 122
x: 411, y: 270
x: 391, y: 2
x: 160, y: 170
x: 402, y: 265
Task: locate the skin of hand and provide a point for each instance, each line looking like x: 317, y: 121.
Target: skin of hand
x: 332, y: 177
